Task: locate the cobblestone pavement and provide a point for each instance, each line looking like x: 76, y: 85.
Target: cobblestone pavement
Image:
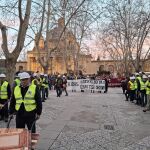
x: 92, y: 121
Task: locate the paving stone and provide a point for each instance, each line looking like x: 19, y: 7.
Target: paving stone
x: 77, y: 122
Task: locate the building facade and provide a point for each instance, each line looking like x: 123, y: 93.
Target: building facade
x: 66, y: 58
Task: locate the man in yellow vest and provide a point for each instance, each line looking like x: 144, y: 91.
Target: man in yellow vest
x: 26, y: 103
x: 35, y: 80
x: 143, y: 90
x: 131, y: 88
x: 138, y: 93
x: 148, y: 94
x: 17, y: 80
x: 5, y: 93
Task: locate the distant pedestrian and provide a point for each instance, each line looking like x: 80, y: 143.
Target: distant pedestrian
x: 65, y: 85
x: 59, y: 85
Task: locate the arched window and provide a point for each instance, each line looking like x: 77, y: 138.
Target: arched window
x: 20, y: 68
x: 101, y: 67
x: 111, y: 68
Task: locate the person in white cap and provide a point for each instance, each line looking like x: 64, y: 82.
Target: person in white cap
x: 26, y: 103
x: 137, y: 85
x: 148, y: 94
x: 35, y: 80
x: 143, y: 90
x: 5, y: 94
x: 131, y: 88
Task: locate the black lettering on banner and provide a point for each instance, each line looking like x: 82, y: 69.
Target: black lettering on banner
x: 74, y: 84
x: 83, y: 87
x: 99, y: 87
x: 91, y: 87
x: 95, y: 82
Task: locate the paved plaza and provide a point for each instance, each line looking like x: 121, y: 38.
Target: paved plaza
x: 92, y: 121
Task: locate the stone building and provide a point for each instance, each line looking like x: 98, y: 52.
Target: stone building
x: 64, y: 58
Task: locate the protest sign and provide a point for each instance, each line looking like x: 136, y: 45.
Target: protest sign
x: 86, y: 84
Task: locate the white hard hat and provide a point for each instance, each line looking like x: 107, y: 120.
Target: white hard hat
x: 24, y: 75
x: 19, y: 75
x: 42, y: 74
x: 149, y: 76
x: 144, y: 77
x: 132, y: 78
x: 2, y: 75
x: 45, y: 75
x: 136, y: 73
x: 34, y: 74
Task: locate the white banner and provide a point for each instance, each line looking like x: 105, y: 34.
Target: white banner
x: 86, y: 84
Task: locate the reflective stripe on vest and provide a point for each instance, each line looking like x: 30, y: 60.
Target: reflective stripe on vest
x: 139, y: 78
x: 135, y: 84
x: 148, y: 88
x: 132, y: 87
x: 28, y: 101
x: 3, y: 90
x: 143, y: 85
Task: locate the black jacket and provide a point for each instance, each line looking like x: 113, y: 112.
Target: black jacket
x: 22, y: 111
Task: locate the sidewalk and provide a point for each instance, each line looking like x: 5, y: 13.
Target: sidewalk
x: 93, y: 121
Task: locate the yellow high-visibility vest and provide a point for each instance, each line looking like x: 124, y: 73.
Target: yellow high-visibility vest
x: 148, y: 87
x: 135, y: 84
x: 3, y: 90
x: 132, y: 87
x: 17, y: 82
x: 143, y: 85
x: 28, y: 101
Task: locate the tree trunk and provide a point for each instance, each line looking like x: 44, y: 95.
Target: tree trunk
x: 10, y: 70
x: 45, y: 70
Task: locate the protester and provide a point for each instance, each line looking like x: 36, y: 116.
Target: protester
x: 26, y: 103
x: 5, y: 93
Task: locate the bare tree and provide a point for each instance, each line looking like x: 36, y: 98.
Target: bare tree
x: 60, y: 38
x: 22, y: 15
x: 126, y: 30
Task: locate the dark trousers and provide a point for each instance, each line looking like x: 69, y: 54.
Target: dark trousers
x: 58, y: 91
x: 132, y: 95
x: 22, y: 121
x: 138, y: 98
x: 4, y: 110
x: 106, y: 88
x: 65, y: 89
x: 42, y: 93
x: 127, y: 94
x: 46, y: 92
x: 143, y: 99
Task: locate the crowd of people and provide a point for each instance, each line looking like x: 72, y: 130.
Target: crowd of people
x: 24, y: 98
x: 137, y: 89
